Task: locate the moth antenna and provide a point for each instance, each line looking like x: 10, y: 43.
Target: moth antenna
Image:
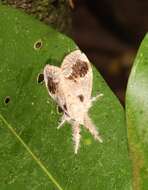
x: 88, y: 124
x: 76, y: 136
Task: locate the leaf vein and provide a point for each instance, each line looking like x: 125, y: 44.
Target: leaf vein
x: 40, y: 164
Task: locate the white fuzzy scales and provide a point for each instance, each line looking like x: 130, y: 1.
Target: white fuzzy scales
x: 71, y: 87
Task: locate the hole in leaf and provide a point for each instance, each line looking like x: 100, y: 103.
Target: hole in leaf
x: 7, y: 99
x: 40, y: 78
x: 38, y: 44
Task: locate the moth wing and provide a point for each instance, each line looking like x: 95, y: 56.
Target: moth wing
x: 77, y: 70
x: 52, y: 78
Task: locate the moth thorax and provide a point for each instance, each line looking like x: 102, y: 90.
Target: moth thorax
x: 77, y: 112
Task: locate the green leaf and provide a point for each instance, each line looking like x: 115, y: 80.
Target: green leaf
x: 137, y: 117
x: 33, y: 153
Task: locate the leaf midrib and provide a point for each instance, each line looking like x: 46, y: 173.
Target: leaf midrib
x: 40, y: 164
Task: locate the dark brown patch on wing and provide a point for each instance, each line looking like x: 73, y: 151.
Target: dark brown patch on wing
x: 81, y: 97
x: 52, y: 86
x: 79, y: 69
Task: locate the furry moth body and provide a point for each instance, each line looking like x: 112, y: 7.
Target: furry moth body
x: 70, y: 86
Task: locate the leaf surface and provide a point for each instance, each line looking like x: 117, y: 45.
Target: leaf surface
x: 33, y: 153
x: 137, y: 117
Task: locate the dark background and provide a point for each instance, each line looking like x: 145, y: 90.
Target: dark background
x: 110, y: 32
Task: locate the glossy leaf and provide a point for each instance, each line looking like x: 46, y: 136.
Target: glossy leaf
x: 137, y: 117
x: 33, y: 153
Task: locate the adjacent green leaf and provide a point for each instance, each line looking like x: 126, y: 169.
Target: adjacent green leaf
x: 33, y: 153
x: 137, y: 117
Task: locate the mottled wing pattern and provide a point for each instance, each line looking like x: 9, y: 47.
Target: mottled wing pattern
x: 52, y: 78
x: 77, y: 69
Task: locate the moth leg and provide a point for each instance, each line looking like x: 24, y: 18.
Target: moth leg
x: 93, y: 99
x: 61, y: 124
x: 63, y: 120
x: 76, y: 136
x: 92, y: 129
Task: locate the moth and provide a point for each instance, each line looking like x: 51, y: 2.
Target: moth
x: 71, y: 86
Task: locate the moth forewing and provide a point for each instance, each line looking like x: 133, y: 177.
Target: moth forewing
x: 52, y: 78
x: 77, y: 68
